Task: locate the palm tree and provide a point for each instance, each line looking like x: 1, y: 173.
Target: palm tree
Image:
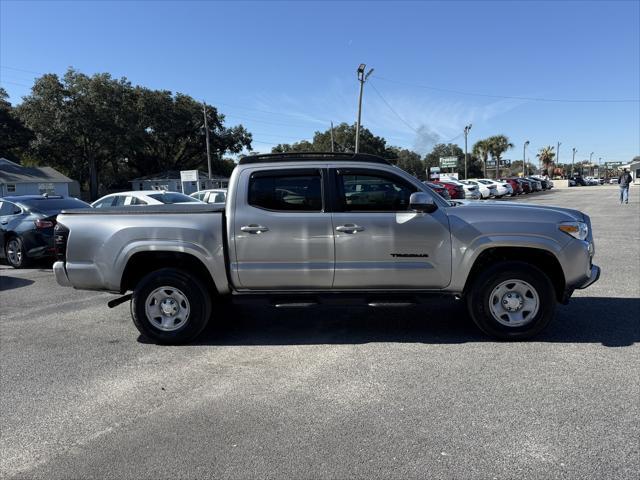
x: 546, y: 156
x: 481, y: 150
x: 498, y: 144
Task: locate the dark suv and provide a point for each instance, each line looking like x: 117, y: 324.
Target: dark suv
x: 26, y: 226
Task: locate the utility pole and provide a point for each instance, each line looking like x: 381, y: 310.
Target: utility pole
x: 332, y: 147
x: 591, y: 163
x: 206, y: 130
x: 558, y: 154
x: 524, y: 156
x: 573, y: 160
x: 361, y: 78
x: 466, y: 133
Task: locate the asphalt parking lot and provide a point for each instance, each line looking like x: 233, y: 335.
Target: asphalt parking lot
x: 328, y: 393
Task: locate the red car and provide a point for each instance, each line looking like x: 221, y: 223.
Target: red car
x: 456, y: 192
x: 515, y: 185
x: 439, y: 189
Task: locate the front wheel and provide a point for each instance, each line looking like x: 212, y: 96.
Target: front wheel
x: 170, y: 306
x: 511, y: 300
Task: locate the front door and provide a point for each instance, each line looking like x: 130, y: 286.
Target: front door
x: 381, y: 243
x: 282, y: 235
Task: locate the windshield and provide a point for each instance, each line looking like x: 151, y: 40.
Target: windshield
x: 173, y: 197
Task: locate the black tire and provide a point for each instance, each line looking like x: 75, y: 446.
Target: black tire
x: 15, y: 253
x: 479, y: 297
x: 198, y: 306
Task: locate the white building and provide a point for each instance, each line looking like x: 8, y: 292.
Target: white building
x: 18, y: 180
x: 634, y: 169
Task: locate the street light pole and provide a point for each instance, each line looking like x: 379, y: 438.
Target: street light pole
x: 558, y: 154
x: 591, y: 162
x: 524, y: 156
x: 206, y: 130
x: 332, y: 146
x: 361, y: 78
x: 466, y: 133
x: 573, y: 160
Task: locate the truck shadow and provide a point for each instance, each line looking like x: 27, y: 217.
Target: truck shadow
x: 9, y: 283
x: 612, y: 322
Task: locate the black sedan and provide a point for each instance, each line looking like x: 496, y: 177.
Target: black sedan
x: 26, y: 226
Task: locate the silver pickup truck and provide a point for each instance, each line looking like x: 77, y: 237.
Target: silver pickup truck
x: 306, y: 229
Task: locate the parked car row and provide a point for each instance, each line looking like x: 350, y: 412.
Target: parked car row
x: 579, y: 180
x: 485, y: 188
x: 27, y: 222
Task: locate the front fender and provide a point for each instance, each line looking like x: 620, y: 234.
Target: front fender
x: 465, y: 255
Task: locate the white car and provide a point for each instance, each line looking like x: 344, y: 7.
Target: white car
x: 592, y: 181
x: 142, y: 197
x: 546, y: 178
x: 486, y: 191
x: 502, y: 189
x: 471, y: 192
x: 216, y: 196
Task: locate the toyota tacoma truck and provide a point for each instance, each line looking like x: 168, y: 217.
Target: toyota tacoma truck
x: 300, y: 230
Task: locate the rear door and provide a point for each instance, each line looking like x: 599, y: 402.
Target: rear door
x: 282, y: 232
x: 379, y: 241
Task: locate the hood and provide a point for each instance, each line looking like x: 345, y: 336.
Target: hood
x: 519, y: 211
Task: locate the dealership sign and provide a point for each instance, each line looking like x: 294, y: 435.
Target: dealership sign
x: 448, y: 162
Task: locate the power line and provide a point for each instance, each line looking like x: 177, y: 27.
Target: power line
x: 509, y: 97
x: 20, y: 69
x: 15, y: 83
x: 402, y: 119
x: 392, y: 109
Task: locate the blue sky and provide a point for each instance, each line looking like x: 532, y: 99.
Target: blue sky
x: 286, y: 69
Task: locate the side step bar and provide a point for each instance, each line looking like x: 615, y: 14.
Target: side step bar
x: 305, y: 300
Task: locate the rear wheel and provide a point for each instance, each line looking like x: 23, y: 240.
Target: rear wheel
x: 170, y: 306
x: 15, y: 253
x: 512, y: 300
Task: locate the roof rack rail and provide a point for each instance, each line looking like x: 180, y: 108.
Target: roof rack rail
x: 312, y: 156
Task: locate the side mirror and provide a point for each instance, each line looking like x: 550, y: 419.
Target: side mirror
x: 422, y: 202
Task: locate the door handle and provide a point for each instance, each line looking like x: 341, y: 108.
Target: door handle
x: 4, y: 222
x: 349, y: 228
x: 254, y: 228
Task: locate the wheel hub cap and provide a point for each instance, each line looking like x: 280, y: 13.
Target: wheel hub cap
x: 167, y: 308
x: 512, y: 301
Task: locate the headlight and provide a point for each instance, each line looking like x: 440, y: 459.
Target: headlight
x: 578, y: 230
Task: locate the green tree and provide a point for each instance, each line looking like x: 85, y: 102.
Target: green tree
x: 481, y: 151
x: 169, y: 134
x: 498, y: 144
x: 344, y: 136
x: 301, y: 146
x: 546, y: 156
x: 14, y: 136
x: 408, y: 160
x: 432, y: 159
x: 104, y: 130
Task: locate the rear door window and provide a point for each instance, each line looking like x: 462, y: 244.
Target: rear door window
x: 299, y: 190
